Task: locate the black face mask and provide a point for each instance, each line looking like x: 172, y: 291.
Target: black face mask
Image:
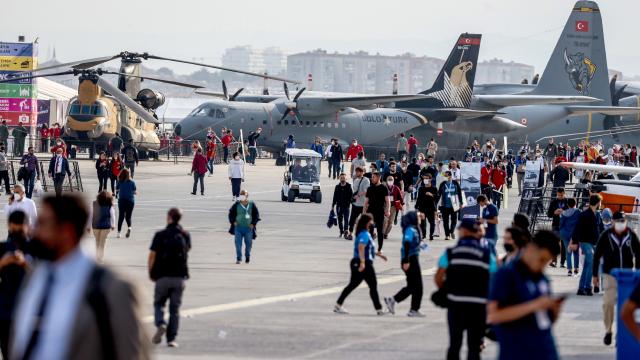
x: 18, y: 238
x: 40, y: 251
x: 509, y: 247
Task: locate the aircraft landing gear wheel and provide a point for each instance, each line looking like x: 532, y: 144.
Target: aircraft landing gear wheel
x: 282, y: 196
x: 317, y: 197
x: 291, y: 196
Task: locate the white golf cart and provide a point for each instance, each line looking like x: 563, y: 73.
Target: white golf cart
x: 302, y: 177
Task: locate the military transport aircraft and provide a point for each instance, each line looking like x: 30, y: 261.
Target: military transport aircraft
x: 345, y: 116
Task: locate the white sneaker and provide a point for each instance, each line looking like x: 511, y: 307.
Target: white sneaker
x: 157, y: 337
x: 338, y: 309
x: 380, y: 312
x: 119, y: 236
x: 172, y: 344
x: 391, y: 305
x: 415, y: 313
x: 210, y: 175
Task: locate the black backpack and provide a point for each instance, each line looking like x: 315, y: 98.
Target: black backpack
x: 173, y: 255
x: 130, y: 154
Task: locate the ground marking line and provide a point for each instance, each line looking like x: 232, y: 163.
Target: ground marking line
x: 211, y: 309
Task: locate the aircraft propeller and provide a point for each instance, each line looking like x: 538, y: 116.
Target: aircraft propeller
x: 292, y: 105
x: 226, y: 93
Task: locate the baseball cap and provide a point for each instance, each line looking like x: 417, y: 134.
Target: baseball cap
x: 618, y: 215
x: 469, y: 224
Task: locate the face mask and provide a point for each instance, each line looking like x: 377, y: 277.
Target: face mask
x: 237, y: 158
x: 509, y: 248
x: 242, y: 197
x: 17, y: 196
x: 390, y: 183
x: 59, y: 143
x: 355, y: 143
x: 427, y: 182
x: 619, y: 227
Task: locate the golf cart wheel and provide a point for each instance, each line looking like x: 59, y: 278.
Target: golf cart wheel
x: 282, y: 196
x: 317, y: 197
x: 291, y: 196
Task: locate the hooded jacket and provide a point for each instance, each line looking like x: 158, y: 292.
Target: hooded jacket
x: 616, y: 251
x: 568, y: 222
x: 236, y: 169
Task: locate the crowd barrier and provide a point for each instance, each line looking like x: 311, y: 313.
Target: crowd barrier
x: 72, y: 183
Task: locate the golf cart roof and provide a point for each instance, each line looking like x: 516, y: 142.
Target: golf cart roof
x: 302, y: 153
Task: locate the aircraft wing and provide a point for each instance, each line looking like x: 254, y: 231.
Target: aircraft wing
x: 210, y: 93
x: 367, y: 100
x: 463, y: 113
x: 577, y: 110
x: 602, y: 168
x: 527, y: 99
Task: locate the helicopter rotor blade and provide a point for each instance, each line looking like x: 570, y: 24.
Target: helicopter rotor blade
x: 235, y: 95
x: 148, y: 56
x: 127, y: 101
x: 68, y: 72
x: 166, y: 81
x: 81, y: 64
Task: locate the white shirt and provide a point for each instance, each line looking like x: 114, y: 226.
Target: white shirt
x: 58, y: 168
x: 70, y: 280
x: 25, y: 205
x: 236, y: 169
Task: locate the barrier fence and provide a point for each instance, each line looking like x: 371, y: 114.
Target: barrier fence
x: 71, y: 183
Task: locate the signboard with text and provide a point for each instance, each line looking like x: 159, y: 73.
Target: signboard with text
x: 18, y: 97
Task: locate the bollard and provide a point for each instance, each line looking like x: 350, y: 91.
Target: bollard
x: 628, y: 347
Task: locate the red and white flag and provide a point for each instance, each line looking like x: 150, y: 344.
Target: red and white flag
x: 582, y: 26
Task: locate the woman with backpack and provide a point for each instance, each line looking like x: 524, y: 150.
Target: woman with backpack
x: 103, y: 170
x: 103, y: 220
x: 243, y: 217
x: 115, y: 166
x: 127, y: 192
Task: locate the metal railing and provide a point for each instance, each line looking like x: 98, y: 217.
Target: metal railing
x: 72, y: 183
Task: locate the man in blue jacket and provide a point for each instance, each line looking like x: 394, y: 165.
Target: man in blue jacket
x: 58, y: 167
x: 586, y: 234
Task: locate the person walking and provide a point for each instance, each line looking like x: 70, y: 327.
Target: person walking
x: 253, y: 145
x: 558, y: 176
x: 396, y: 202
x: 44, y: 138
x: 586, y: 235
x: 432, y: 148
x: 342, y: 196
x: 211, y: 154
x: 450, y: 201
x: 226, y: 142
x: 4, y: 132
x: 361, y: 265
x: 359, y: 186
x: 127, y: 192
x: 13, y: 269
x: 521, y: 308
x: 410, y: 252
x: 115, y: 144
x: 58, y: 168
x: 130, y: 157
x: 169, y: 270
x: 83, y: 310
x: 412, y: 147
x: 490, y: 219
x: 336, y: 158
x: 236, y: 175
x: 19, y: 135
x: 378, y: 204
x: 19, y: 202
x: 464, y: 272
x: 521, y: 165
x: 103, y: 220
x: 568, y: 222
x: 357, y: 162
x: 115, y: 166
x: 4, y: 169
x: 426, y: 204
x: 354, y: 150
x: 30, y: 163
x: 198, y: 169
x: 104, y: 171
x: 243, y: 216
x: 401, y: 146
x: 619, y: 248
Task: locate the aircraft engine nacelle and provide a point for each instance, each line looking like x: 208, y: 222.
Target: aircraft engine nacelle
x: 150, y: 99
x: 316, y: 107
x: 632, y: 101
x: 495, y: 124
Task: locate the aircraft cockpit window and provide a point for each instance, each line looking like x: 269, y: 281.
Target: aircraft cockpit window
x: 203, y: 111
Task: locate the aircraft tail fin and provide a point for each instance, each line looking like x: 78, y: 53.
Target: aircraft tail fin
x: 578, y: 64
x: 454, y: 84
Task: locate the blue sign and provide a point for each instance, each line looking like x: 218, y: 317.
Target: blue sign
x: 16, y: 49
x: 5, y: 75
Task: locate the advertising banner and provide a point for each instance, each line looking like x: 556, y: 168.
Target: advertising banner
x: 5, y: 75
x: 16, y: 63
x: 531, y: 178
x: 17, y: 91
x: 17, y: 105
x: 470, y: 185
x: 18, y: 98
x: 44, y: 109
x: 17, y: 49
x: 13, y: 118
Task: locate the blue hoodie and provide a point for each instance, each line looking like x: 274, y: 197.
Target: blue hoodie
x: 568, y: 221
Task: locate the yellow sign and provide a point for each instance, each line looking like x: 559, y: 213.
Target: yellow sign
x: 16, y: 63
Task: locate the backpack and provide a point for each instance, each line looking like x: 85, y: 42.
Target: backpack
x: 130, y: 154
x: 173, y: 254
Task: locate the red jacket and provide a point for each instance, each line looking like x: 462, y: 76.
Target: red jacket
x: 54, y: 133
x: 44, y: 133
x: 353, y: 151
x: 211, y: 149
x: 199, y: 164
x: 497, y: 177
x: 55, y: 148
x: 116, y: 166
x: 484, y: 175
x: 226, y: 140
x: 410, y: 142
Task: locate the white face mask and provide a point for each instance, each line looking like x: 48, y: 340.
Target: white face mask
x: 619, y: 226
x: 390, y: 183
x: 355, y: 143
x: 427, y: 182
x: 17, y: 196
x: 242, y: 197
x: 237, y: 158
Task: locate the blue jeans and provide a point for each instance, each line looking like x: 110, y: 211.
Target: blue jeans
x: 29, y: 182
x: 337, y: 169
x: 587, y: 267
x: 575, y: 262
x: 492, y: 245
x: 210, y: 166
x: 246, y: 234
x: 253, y: 154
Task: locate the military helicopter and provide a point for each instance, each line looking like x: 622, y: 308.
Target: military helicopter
x: 102, y: 110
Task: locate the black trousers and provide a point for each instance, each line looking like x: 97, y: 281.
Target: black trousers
x: 369, y: 276
x: 378, y: 219
x: 113, y: 179
x: 225, y: 153
x: 414, y: 285
x: 355, y: 212
x: 336, y: 168
x: 343, y: 218
x: 4, y: 177
x: 450, y: 219
x: 131, y: 166
x: 125, y: 210
x: 58, y: 181
x: 470, y: 318
x: 102, y: 182
x: 431, y: 219
x: 5, y: 331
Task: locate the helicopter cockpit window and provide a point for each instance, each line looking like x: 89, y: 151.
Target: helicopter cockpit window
x: 97, y: 110
x: 75, y: 109
x: 85, y: 110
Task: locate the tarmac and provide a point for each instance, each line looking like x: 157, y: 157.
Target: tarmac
x: 280, y: 305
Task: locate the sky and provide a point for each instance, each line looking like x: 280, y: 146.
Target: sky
x: 513, y: 30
